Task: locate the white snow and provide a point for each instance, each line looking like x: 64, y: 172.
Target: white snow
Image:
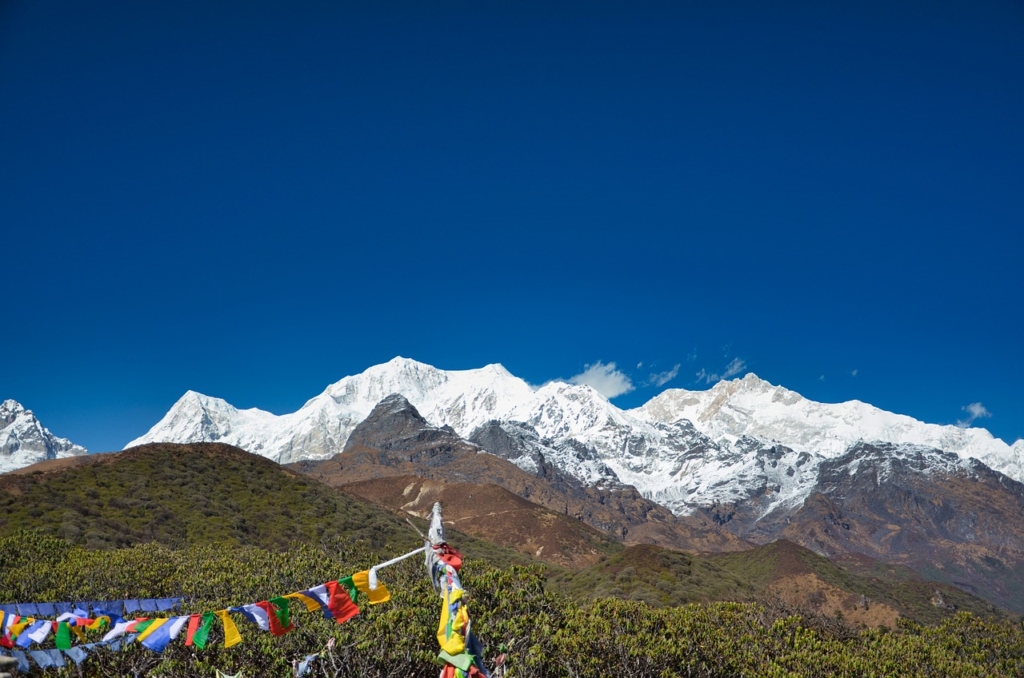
x: 741, y: 438
x: 24, y: 441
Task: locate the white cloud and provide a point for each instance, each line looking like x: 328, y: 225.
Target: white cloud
x: 731, y: 370
x: 974, y: 411
x: 605, y: 379
x: 734, y: 368
x: 821, y: 378
x: 640, y: 364
x: 662, y: 378
x: 854, y: 373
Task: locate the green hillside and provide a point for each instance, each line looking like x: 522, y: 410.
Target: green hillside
x: 546, y: 635
x: 204, y: 493
x: 897, y: 587
x: 221, y: 527
x: 659, y: 577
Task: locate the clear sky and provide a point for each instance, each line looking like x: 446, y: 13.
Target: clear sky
x: 255, y: 199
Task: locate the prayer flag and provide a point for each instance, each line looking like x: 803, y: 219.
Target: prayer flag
x: 203, y: 632
x: 158, y: 639
x: 377, y: 595
x: 257, y: 615
x: 42, y: 658
x: 77, y: 654
x: 120, y: 628
x: 22, y: 660
x: 350, y: 586
x: 63, y: 639
x: 340, y: 603
x: 271, y: 610
x: 193, y: 626
x: 35, y: 633
x: 147, y: 628
x: 231, y: 635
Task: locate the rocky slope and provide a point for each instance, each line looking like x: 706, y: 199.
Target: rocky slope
x: 24, y: 441
x: 948, y: 519
x: 395, y: 442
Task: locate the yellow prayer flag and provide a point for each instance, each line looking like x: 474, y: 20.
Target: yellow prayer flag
x: 362, y: 581
x: 16, y: 629
x: 311, y: 605
x: 231, y: 635
x: 157, y: 623
x: 377, y: 595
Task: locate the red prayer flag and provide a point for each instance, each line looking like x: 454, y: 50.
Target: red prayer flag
x: 339, y: 603
x: 193, y: 626
x: 275, y: 623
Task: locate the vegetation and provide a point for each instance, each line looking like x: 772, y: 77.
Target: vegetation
x: 222, y: 527
x: 185, y: 495
x: 658, y: 577
x: 546, y: 634
x: 898, y: 588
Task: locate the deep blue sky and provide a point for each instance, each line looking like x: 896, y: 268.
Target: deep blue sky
x: 255, y: 199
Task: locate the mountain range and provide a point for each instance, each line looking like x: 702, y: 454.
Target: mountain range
x: 741, y: 464
x: 24, y: 441
x: 682, y: 449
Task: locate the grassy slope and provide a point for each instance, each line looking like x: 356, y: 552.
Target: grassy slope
x: 661, y: 577
x: 190, y: 495
x: 546, y: 635
x: 896, y: 587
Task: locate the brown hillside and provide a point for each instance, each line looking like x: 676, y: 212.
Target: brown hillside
x: 493, y: 513
x: 396, y: 441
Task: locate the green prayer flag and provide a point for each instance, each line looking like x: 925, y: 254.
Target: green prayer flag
x: 283, y: 611
x: 203, y: 632
x: 463, y: 660
x: 63, y: 638
x: 350, y: 586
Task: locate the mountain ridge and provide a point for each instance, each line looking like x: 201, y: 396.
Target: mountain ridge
x: 684, y: 449
x: 24, y: 440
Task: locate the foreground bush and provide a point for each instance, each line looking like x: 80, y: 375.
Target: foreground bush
x: 545, y: 634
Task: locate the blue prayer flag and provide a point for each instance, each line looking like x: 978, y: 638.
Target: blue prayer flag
x: 77, y: 654
x: 165, y: 604
x: 22, y: 660
x: 56, y: 658
x: 42, y: 658
x: 27, y: 609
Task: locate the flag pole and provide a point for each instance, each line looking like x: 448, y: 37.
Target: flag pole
x: 461, y: 651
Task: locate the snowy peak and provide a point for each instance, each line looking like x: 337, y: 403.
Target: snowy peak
x: 24, y: 440
x: 9, y: 410
x: 462, y: 399
x: 756, y: 408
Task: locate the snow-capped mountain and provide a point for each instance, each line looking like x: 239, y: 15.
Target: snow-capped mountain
x: 740, y: 440
x: 319, y: 429
x: 753, y: 407
x: 24, y: 441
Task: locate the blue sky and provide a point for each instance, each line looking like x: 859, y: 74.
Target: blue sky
x: 253, y: 200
